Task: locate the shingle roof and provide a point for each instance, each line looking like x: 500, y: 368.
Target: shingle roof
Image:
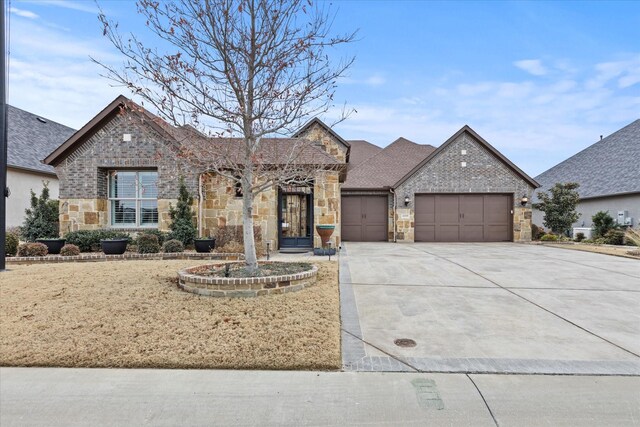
x: 386, y: 167
x: 188, y: 139
x: 30, y: 138
x: 360, y: 151
x: 610, y: 166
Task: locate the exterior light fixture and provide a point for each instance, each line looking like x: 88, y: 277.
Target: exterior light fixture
x: 406, y: 200
x: 524, y: 200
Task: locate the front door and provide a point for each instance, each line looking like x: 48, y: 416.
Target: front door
x: 295, y: 217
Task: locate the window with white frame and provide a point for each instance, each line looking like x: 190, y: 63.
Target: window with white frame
x: 133, y: 198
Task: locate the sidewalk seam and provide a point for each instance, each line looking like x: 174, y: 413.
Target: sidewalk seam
x: 484, y: 400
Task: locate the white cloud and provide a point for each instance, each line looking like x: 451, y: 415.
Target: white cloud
x: 81, y: 6
x: 536, y: 124
x: 23, y: 13
x: 532, y: 66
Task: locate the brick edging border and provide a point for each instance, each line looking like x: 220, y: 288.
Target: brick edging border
x: 97, y: 257
x: 244, y: 287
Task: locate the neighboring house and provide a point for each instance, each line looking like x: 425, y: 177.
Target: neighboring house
x: 29, y: 139
x: 121, y: 169
x: 609, y: 176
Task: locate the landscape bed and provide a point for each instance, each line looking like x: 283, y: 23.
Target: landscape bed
x: 133, y: 315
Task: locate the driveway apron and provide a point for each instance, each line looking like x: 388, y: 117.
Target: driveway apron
x: 488, y: 308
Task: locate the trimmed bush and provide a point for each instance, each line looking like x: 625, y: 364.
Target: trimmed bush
x: 89, y: 240
x: 182, y: 225
x: 148, y: 244
x: 41, y: 219
x: 11, y: 243
x: 614, y: 237
x: 70, y: 250
x: 173, y: 246
x: 161, y: 235
x: 602, y: 223
x: 549, y: 238
x: 579, y: 237
x: 32, y: 249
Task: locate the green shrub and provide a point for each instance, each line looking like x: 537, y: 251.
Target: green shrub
x: 579, y: 237
x: 11, y: 243
x: 89, y: 240
x: 549, y: 238
x: 32, y: 249
x: 41, y: 219
x: 614, y: 237
x: 536, y: 232
x: 173, y: 246
x: 148, y: 244
x: 70, y: 250
x: 161, y: 235
x: 182, y: 226
x: 602, y: 223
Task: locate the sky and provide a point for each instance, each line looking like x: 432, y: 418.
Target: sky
x: 539, y: 80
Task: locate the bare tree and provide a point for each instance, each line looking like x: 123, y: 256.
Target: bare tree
x: 241, y: 70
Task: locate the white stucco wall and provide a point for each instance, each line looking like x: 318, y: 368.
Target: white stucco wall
x: 589, y: 207
x: 20, y: 182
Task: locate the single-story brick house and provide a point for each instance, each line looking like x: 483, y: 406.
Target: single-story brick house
x: 121, y: 171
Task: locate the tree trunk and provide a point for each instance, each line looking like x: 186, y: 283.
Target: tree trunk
x: 250, y: 258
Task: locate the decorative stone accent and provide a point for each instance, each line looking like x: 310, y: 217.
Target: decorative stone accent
x: 522, y: 224
x: 326, y: 205
x: 82, y: 214
x: 233, y: 287
x: 96, y: 257
x: 222, y: 207
x: 322, y: 136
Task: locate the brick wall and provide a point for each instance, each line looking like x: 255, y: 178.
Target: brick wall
x: 483, y: 173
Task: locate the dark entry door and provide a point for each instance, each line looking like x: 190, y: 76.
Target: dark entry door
x: 295, y: 218
x: 463, y: 218
x: 364, y: 218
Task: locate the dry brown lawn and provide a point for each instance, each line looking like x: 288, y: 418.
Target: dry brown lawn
x: 622, y: 251
x: 131, y: 314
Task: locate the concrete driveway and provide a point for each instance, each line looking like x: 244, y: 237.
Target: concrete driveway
x: 489, y: 308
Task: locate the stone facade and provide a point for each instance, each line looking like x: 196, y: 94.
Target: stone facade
x: 221, y: 207
x: 482, y: 173
x: 326, y: 205
x: 83, y: 178
x: 318, y: 133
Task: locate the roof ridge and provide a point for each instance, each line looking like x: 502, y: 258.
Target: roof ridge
x: 42, y: 117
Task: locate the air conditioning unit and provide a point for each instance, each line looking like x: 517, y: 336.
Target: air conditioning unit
x: 624, y: 218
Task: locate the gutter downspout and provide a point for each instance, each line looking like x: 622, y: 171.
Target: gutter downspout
x: 394, y: 214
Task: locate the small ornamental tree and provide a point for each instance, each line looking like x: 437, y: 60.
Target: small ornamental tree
x: 559, y: 206
x: 41, y: 219
x: 602, y: 223
x: 240, y: 70
x: 182, y: 226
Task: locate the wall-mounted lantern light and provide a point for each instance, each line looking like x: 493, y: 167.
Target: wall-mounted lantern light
x: 524, y: 200
x: 406, y: 200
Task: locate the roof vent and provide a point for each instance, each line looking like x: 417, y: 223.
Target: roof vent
x: 41, y: 120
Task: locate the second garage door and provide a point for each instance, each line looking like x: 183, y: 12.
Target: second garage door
x: 463, y: 218
x: 364, y: 218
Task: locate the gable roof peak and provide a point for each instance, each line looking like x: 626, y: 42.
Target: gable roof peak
x: 316, y: 120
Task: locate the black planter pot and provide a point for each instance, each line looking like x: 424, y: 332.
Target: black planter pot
x: 205, y: 245
x: 53, y: 245
x: 114, y: 246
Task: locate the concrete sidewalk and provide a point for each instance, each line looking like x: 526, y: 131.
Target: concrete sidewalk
x: 82, y: 397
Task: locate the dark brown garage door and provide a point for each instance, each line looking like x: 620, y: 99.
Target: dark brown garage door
x: 364, y: 218
x: 463, y: 218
